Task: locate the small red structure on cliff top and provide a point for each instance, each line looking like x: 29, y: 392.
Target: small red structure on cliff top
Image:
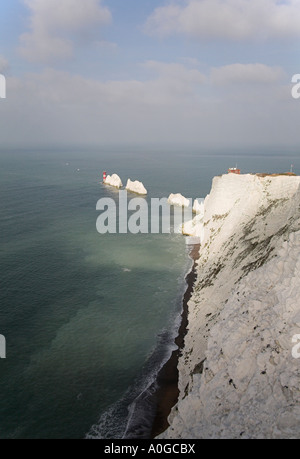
x: 234, y: 170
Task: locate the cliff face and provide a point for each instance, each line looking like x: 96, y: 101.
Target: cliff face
x: 237, y: 376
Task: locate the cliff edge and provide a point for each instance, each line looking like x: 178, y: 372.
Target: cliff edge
x: 237, y: 375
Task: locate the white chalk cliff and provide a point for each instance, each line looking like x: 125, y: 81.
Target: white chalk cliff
x: 198, y: 207
x: 113, y: 180
x: 237, y: 375
x: 195, y: 227
x: 136, y: 187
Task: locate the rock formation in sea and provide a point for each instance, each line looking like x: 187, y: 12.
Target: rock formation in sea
x: 113, y: 180
x: 178, y: 200
x: 238, y: 377
x: 136, y: 187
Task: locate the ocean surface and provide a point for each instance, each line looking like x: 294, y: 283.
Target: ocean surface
x: 88, y: 318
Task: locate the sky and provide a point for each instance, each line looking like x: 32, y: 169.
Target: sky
x: 195, y: 73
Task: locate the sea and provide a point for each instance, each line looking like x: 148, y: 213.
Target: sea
x: 89, y: 319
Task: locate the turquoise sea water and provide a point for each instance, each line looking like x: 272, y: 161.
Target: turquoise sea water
x: 89, y: 318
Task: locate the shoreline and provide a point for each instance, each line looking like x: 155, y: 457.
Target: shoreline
x: 167, y: 391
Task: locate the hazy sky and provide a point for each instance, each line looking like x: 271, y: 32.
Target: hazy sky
x: 204, y: 73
